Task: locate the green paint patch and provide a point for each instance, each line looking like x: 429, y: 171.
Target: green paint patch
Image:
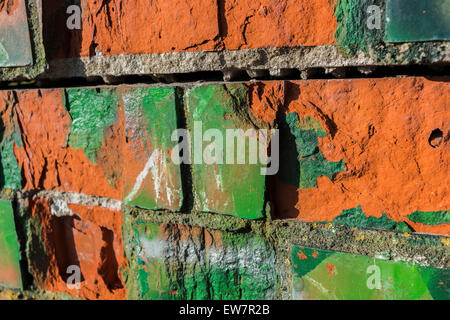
x: 328, y: 275
x: 355, y: 217
x: 226, y: 187
x: 153, y: 278
x: 353, y: 34
x: 92, y: 112
x: 150, y: 120
x: 10, y: 176
x: 430, y: 218
x: 4, y: 57
x: 186, y: 266
x: 301, y: 160
x: 417, y: 20
x: 10, y: 275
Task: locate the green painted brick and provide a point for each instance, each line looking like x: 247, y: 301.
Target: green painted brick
x: 329, y: 275
x: 177, y: 262
x: 15, y: 44
x: 10, y: 275
x: 417, y: 20
x: 92, y: 112
x: 353, y: 34
x: 10, y: 176
x: 151, y: 179
x: 226, y: 188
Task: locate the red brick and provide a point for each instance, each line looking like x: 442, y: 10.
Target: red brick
x: 381, y: 130
x: 48, y: 161
x: 135, y: 27
x: 90, y: 239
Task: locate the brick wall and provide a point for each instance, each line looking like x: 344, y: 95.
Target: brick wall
x: 128, y: 189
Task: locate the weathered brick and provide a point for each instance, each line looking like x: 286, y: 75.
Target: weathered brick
x: 329, y: 275
x: 15, y: 44
x: 222, y: 187
x: 205, y: 25
x: 291, y: 23
x: 364, y: 152
x: 10, y: 273
x: 68, y: 237
x: 10, y: 177
x: 73, y: 143
x: 182, y: 262
x: 151, y: 179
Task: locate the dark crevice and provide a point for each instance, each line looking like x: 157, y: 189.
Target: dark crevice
x: 436, y: 71
x: 186, y: 170
x: 21, y: 222
x: 436, y: 138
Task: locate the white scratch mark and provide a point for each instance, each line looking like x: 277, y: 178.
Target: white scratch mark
x: 156, y: 155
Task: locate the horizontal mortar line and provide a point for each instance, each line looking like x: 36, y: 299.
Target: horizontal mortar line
x: 73, y: 198
x: 114, y: 204
x: 215, y: 221
x: 69, y: 84
x: 399, y: 251
x: 300, y: 58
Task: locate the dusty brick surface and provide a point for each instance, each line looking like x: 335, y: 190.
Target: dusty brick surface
x: 182, y: 262
x: 151, y: 179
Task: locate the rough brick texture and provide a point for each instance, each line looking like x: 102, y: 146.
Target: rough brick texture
x: 378, y: 146
x: 182, y: 262
x: 133, y: 27
x: 224, y: 150
x: 363, y: 153
x: 84, y: 237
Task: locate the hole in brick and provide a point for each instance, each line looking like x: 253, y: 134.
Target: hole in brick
x: 436, y: 138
